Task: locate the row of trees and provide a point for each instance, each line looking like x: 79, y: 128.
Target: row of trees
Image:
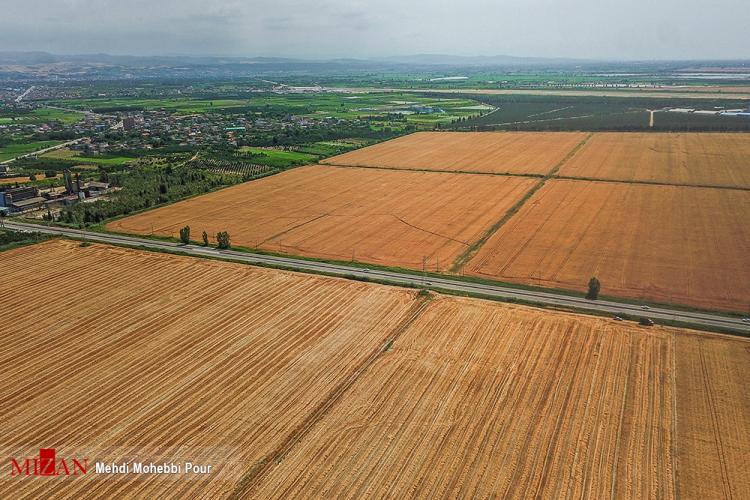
x: 324, y: 132
x: 146, y: 187
x: 222, y: 238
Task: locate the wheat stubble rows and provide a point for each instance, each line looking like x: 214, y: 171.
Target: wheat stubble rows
x: 479, y: 400
x: 157, y: 352
x: 162, y: 356
x: 394, y: 218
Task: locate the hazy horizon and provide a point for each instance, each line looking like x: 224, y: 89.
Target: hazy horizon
x: 375, y: 58
x: 607, y: 31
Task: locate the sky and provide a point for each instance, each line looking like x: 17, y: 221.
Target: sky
x: 321, y: 29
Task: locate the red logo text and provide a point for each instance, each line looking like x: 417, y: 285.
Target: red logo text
x: 48, y: 464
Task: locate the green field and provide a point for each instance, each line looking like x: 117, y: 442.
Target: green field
x: 412, y: 107
x: 67, y: 154
x: 40, y: 115
x: 331, y: 148
x: 13, y: 150
x: 408, y: 107
x: 176, y: 105
x: 282, y: 157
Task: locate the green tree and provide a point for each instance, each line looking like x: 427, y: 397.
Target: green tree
x: 594, y: 287
x: 185, y: 235
x: 222, y: 238
x: 205, y: 239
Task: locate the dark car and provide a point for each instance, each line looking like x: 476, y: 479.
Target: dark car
x: 646, y: 322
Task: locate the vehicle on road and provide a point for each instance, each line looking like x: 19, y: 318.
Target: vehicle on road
x: 645, y: 308
x: 646, y: 322
x: 617, y: 318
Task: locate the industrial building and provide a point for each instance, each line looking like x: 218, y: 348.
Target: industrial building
x: 21, y: 199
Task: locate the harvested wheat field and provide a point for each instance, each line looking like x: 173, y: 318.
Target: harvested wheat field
x: 489, y: 152
x: 701, y: 159
x: 296, y: 386
x: 671, y: 244
x: 379, y: 216
x: 163, y: 358
x: 480, y: 400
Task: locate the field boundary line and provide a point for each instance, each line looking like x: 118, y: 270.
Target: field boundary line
x: 568, y: 156
x: 469, y: 253
x: 650, y: 183
x: 675, y: 415
x: 432, y: 170
x: 616, y: 459
x: 254, y: 476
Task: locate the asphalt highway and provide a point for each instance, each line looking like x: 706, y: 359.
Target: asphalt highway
x: 657, y: 314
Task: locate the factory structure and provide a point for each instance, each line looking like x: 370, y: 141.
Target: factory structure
x: 22, y: 199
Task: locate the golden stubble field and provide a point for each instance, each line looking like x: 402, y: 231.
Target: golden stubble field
x: 495, y: 152
x: 387, y: 217
x: 480, y: 400
x: 701, y: 159
x: 300, y: 386
x: 111, y: 353
x: 672, y: 244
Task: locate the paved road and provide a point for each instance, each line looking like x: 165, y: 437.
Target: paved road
x: 42, y: 151
x: 708, y: 320
x: 21, y: 97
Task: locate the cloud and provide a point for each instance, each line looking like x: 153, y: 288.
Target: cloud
x: 611, y: 29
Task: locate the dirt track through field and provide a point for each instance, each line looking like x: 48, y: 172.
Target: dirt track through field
x: 472, y: 249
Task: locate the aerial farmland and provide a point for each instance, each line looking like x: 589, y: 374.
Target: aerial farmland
x: 340, y: 250
x: 167, y: 355
x: 655, y: 217
x: 388, y: 217
x: 303, y: 386
x: 502, y: 152
x: 483, y: 400
x: 670, y: 244
x: 698, y: 159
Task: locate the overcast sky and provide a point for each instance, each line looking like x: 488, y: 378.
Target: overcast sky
x: 600, y: 29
